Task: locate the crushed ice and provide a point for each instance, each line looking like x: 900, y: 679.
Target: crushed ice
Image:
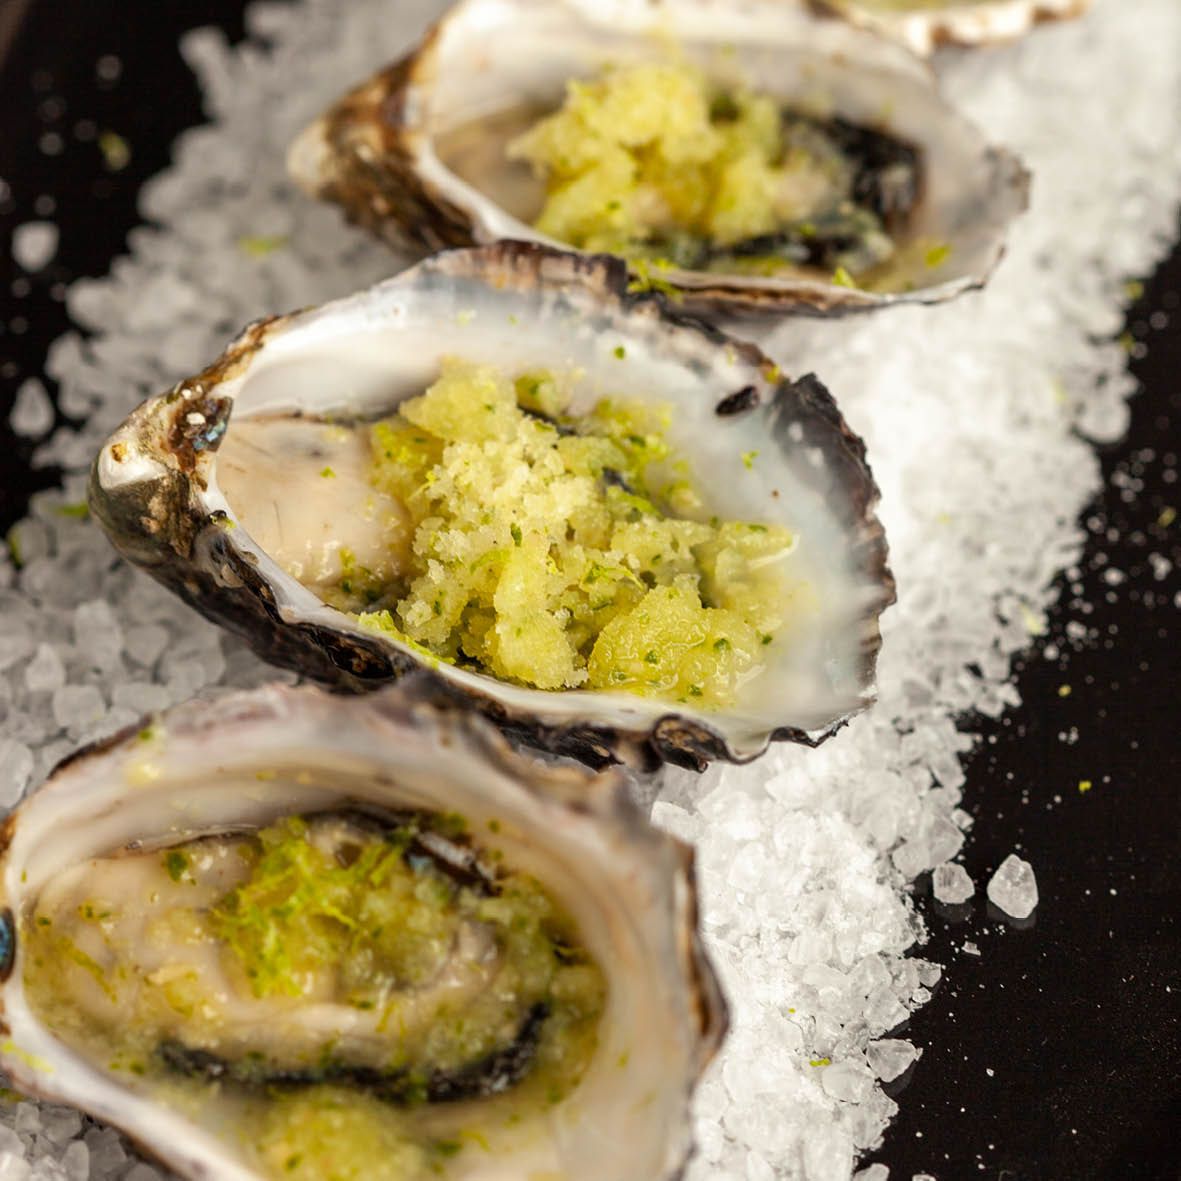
x: 974, y: 415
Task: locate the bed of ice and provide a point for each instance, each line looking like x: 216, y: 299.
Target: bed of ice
x: 977, y: 416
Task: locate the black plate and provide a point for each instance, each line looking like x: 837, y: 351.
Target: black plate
x: 1054, y: 1054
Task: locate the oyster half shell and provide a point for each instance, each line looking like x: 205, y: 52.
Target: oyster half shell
x: 240, y: 763
x: 387, y: 151
x: 155, y: 487
x: 924, y: 25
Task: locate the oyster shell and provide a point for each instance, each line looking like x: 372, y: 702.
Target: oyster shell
x: 924, y: 25
x: 393, y: 152
x: 155, y: 487
x: 236, y: 764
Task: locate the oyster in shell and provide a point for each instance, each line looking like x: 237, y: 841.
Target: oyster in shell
x: 287, y: 934
x: 419, y: 153
x: 157, y: 488
x: 924, y: 25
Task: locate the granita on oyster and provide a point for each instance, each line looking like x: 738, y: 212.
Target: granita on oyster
x: 344, y: 997
x: 291, y: 934
x: 487, y: 527
x: 658, y: 163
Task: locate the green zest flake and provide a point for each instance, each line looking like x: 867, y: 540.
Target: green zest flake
x: 356, y: 581
x: 80, y: 511
x: 327, y: 474
x: 260, y: 245
x: 175, y: 862
x: 937, y: 255
x: 643, y: 280
x: 820, y: 1062
x: 1084, y: 786
x: 68, y: 949
x: 289, y: 915
x: 14, y: 548
x: 116, y: 151
x: 842, y: 278
x: 32, y: 1061
x: 748, y: 459
x: 620, y: 352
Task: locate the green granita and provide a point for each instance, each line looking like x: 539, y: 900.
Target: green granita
x: 560, y: 551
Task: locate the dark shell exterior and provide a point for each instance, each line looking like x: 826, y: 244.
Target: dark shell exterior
x: 150, y: 482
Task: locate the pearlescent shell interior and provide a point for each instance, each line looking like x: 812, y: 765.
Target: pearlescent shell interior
x: 629, y: 888
x: 377, y: 151
x: 154, y: 486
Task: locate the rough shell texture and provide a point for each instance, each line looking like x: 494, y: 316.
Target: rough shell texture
x: 377, y: 151
x: 522, y: 306
x: 923, y: 28
x: 629, y: 887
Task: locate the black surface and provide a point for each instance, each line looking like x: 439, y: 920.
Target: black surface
x: 1078, y: 1017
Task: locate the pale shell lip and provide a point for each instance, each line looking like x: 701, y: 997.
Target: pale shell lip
x: 373, y: 151
x: 153, y: 490
x: 985, y: 23
x: 408, y: 731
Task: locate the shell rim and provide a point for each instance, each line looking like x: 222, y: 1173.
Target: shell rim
x: 970, y: 26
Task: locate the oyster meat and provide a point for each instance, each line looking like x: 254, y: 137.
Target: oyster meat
x: 289, y: 935
x: 248, y: 489
x: 426, y: 152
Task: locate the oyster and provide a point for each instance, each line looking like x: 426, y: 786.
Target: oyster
x: 420, y: 153
x: 765, y: 449
x: 923, y: 25
x: 286, y: 934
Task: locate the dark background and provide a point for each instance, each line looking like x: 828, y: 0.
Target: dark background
x: 1055, y: 1053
